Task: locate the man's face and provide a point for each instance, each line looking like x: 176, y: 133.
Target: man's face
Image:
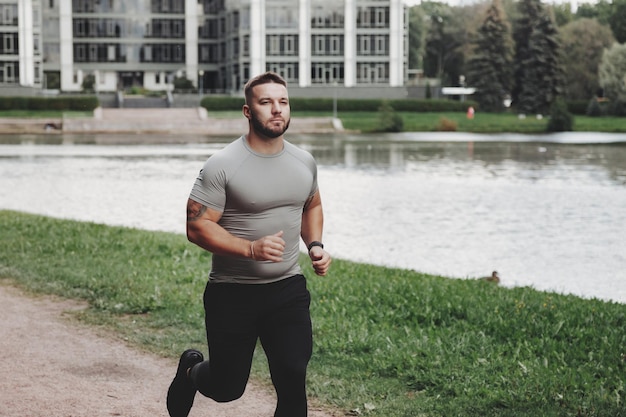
x: 269, y: 110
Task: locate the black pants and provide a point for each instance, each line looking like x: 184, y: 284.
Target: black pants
x: 239, y: 314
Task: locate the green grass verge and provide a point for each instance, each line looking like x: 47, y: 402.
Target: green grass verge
x: 482, y: 122
x: 388, y: 342
x: 364, y: 121
x: 35, y: 114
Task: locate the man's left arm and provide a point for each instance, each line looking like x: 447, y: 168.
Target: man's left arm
x: 312, y: 228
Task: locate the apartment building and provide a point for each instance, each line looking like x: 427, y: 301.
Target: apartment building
x: 20, y: 43
x: 217, y: 45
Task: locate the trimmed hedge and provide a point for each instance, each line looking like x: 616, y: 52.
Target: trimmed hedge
x: 223, y: 103
x: 63, y: 103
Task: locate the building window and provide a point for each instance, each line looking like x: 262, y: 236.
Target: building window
x: 382, y: 45
x: 8, y: 73
x: 327, y: 45
x: 287, y: 70
x: 93, y: 53
x: 111, y: 53
x: 381, y: 16
x: 273, y: 45
x: 147, y: 53
x: 372, y: 72
x: 179, y: 28
x: 291, y: 45
x: 36, y: 44
x: 79, y: 28
x: 111, y: 28
x: 336, y: 45
x: 372, y: 17
x: 8, y: 43
x: 9, y: 14
x: 246, y: 45
x: 325, y: 17
x: 363, y: 45
x: 326, y: 73
x: 93, y: 28
x: 281, y: 17
x: 79, y: 52
x: 179, y: 55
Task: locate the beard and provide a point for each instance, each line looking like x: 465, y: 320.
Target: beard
x: 267, y: 131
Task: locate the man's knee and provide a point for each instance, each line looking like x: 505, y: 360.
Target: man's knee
x: 222, y: 395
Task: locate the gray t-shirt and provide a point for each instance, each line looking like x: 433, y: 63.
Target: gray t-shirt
x: 258, y: 195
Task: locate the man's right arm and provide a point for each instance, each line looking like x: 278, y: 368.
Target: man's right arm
x: 203, y: 230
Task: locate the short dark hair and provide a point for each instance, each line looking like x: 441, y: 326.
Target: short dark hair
x: 265, y: 78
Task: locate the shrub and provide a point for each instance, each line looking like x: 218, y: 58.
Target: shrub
x: 446, y: 125
x: 617, y: 108
x: 561, y: 120
x: 60, y: 103
x: 593, y: 108
x: 389, y: 120
x: 182, y: 83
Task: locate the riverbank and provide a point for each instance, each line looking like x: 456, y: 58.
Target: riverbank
x: 194, y: 121
x: 388, y: 342
x: 197, y: 121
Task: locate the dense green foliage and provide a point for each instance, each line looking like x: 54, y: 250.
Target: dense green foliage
x: 617, y: 20
x: 388, y: 342
x: 612, y: 70
x: 453, y: 31
x: 537, y: 71
x: 60, y: 103
x: 561, y: 120
x: 582, y: 44
x: 489, y: 68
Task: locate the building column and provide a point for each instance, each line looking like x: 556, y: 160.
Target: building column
x: 257, y: 37
x: 396, y: 43
x: 304, y: 44
x: 349, y: 44
x: 191, y: 40
x: 25, y: 42
x: 65, y: 46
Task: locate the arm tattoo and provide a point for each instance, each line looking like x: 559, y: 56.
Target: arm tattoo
x: 195, y: 210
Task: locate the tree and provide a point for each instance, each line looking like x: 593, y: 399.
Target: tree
x: 416, y: 37
x: 528, y: 13
x: 538, y: 73
x: 444, y: 57
x: 388, y: 119
x: 561, y: 120
x: 617, y: 20
x: 562, y: 13
x: 582, y: 43
x: 490, y: 66
x: 600, y: 10
x: 611, y: 73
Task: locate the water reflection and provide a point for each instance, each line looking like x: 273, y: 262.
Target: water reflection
x: 544, y: 212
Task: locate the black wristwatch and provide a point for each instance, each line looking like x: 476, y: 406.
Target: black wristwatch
x: 315, y: 243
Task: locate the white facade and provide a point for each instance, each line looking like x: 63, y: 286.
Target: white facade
x: 139, y: 43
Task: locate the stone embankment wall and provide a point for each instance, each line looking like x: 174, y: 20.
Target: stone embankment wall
x: 163, y: 120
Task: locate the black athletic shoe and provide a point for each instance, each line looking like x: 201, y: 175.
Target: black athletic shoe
x: 181, y: 393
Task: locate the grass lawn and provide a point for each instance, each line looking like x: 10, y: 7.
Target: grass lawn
x: 481, y: 123
x: 414, y: 122
x: 388, y: 342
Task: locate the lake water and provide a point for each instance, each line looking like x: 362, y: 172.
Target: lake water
x: 545, y: 211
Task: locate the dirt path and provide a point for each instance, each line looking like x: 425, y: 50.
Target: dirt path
x: 54, y: 367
